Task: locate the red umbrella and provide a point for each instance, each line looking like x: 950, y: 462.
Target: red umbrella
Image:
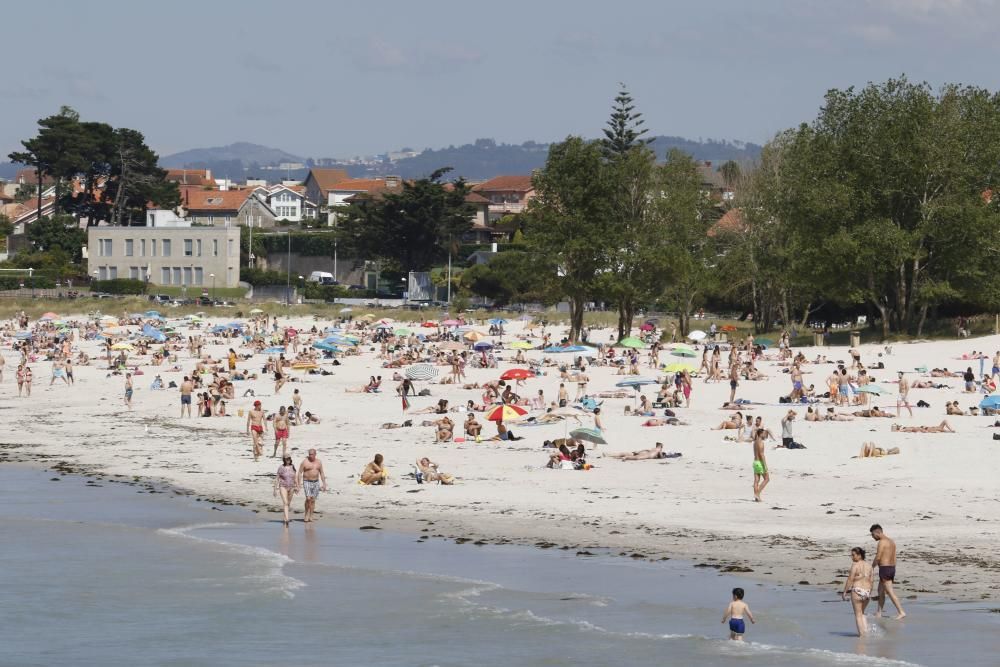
x: 505, y: 413
x: 647, y: 327
x: 429, y: 324
x: 517, y: 374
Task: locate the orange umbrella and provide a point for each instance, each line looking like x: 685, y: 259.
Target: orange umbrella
x: 503, y: 413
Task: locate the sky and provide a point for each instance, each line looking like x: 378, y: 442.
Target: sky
x: 340, y: 78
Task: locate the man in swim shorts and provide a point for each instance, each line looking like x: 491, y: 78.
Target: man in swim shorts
x: 312, y: 480
x: 255, y: 426
x: 187, y: 388
x: 885, y: 560
x: 761, y: 476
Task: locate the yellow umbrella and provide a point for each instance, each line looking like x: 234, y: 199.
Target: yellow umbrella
x: 473, y: 336
x: 256, y: 311
x: 677, y: 367
x: 369, y: 316
x: 121, y: 346
x: 522, y: 345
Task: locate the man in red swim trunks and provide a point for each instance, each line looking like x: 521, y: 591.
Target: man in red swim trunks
x: 255, y: 426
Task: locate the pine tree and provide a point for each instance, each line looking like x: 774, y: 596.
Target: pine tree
x: 624, y: 128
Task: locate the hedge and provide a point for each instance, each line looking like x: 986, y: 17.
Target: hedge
x: 261, y: 277
x: 306, y: 244
x: 119, y: 286
x: 15, y: 282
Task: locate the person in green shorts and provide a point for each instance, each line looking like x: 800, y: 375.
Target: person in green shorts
x: 760, y: 474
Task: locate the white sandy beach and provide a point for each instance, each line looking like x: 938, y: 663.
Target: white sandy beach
x: 938, y: 498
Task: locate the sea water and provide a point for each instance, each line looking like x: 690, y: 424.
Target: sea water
x: 96, y: 573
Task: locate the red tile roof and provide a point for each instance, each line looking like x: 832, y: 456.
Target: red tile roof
x: 730, y: 223
x: 506, y: 184
x: 215, y: 200
x: 474, y: 198
x: 191, y: 177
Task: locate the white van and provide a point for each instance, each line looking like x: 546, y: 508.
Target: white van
x: 321, y: 277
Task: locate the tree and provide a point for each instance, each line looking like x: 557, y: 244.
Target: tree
x: 509, y: 277
x: 58, y: 233
x: 57, y: 150
x: 624, y: 128
x: 568, y: 225
x: 136, y: 179
x: 887, y: 198
x: 412, y: 229
x: 731, y: 173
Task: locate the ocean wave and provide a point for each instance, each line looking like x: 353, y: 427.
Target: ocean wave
x: 273, y: 579
x: 832, y: 657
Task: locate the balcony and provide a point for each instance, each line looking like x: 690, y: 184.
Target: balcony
x: 505, y: 208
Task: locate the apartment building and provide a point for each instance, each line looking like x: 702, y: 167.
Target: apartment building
x: 183, y: 255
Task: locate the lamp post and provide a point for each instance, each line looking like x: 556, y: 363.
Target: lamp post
x: 288, y: 271
x: 212, y: 276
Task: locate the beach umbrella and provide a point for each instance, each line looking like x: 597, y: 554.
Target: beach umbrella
x: 631, y: 342
x: 384, y: 326
x: 122, y: 346
x: 23, y: 335
x: 498, y: 321
x: 421, y: 372
x: 150, y: 331
x: 635, y: 382
x: 402, y: 332
x: 505, y: 413
x: 697, y: 334
x: 990, y: 402
x: 369, y: 316
x: 591, y: 435
x: 339, y: 340
x: 872, y: 389
x: 729, y: 328
x: 256, y: 311
x: 429, y: 324
x: 482, y: 346
x: 556, y: 349
x: 48, y: 316
x: 681, y: 350
x: 344, y: 311
x: 325, y: 347
x: 678, y: 366
x: 517, y: 374
x: 451, y: 323
x: 473, y: 336
x: 647, y: 327
x: 276, y: 349
x: 522, y: 345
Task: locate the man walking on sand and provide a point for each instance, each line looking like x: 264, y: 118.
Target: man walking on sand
x: 734, y: 380
x: 312, y: 480
x: 904, y: 394
x: 761, y: 476
x: 187, y: 388
x: 885, y: 560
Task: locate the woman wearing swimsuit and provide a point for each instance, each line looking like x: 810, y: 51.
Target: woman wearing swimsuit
x: 284, y: 483
x: 858, y: 588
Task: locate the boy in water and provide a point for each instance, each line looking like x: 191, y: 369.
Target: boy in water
x: 735, y: 612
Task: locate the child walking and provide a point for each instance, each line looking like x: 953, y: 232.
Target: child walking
x: 735, y: 612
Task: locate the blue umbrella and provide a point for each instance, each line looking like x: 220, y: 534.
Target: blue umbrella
x: 482, y: 346
x: 339, y: 340
x: 23, y: 335
x: 326, y: 347
x: 635, y: 382
x: 498, y: 320
x: 235, y: 325
x: 277, y: 349
x: 992, y: 401
x: 153, y: 313
x: 555, y: 349
x: 150, y: 331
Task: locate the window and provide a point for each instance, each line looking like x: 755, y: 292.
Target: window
x: 199, y: 276
x: 142, y: 248
x: 112, y: 273
x: 230, y: 251
x: 187, y: 276
x: 153, y: 248
x: 129, y: 247
x: 165, y: 275
x: 215, y: 247
x: 104, y: 248
x: 177, y: 275
x: 198, y: 245
x: 211, y: 219
x: 188, y: 247
x: 102, y: 273
x: 133, y: 272
x: 227, y: 220
x: 166, y: 247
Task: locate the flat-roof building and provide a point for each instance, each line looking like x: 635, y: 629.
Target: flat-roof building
x: 183, y: 256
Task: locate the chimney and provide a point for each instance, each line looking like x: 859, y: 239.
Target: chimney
x: 708, y: 163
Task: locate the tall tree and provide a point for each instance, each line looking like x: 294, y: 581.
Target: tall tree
x: 135, y: 179
x: 731, y: 173
x: 57, y: 151
x: 624, y: 129
x: 412, y: 229
x: 568, y: 225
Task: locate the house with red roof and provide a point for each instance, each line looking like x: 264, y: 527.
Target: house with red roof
x: 507, y: 194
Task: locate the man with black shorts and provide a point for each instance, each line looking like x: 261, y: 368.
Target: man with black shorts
x: 885, y: 561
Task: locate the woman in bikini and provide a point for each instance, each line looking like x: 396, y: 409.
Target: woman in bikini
x: 284, y: 483
x: 858, y: 588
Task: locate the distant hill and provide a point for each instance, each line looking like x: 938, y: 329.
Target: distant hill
x: 477, y: 161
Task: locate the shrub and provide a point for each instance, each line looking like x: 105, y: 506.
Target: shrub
x: 119, y: 286
x: 261, y: 277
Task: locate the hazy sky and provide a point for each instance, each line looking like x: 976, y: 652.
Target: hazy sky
x: 340, y: 78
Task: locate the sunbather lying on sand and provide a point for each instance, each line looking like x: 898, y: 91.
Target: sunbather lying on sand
x: 642, y: 455
x: 943, y: 427
x: 665, y: 421
x: 870, y: 451
x: 874, y: 412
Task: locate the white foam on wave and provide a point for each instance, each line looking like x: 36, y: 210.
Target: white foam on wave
x: 273, y: 579
x: 825, y: 655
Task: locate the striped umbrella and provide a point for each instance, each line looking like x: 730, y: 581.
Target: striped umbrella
x: 421, y: 372
x: 505, y: 413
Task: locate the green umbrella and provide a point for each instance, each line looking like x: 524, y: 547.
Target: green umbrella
x: 402, y: 332
x: 591, y: 435
x: 632, y: 342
